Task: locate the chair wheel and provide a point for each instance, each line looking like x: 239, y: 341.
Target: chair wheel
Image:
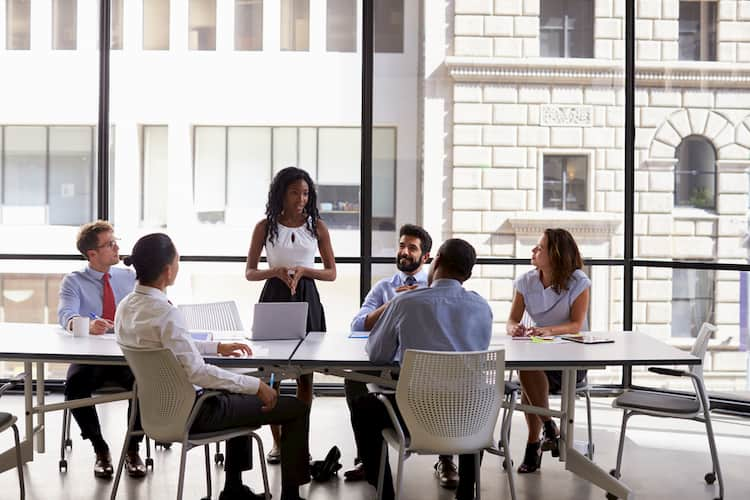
x: 165, y: 446
x: 610, y: 496
x: 219, y: 459
x: 710, y: 478
x: 63, y: 465
x: 69, y: 444
x: 505, y: 467
x: 150, y: 463
x: 614, y: 474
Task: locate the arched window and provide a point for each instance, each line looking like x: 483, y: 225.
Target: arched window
x: 695, y: 173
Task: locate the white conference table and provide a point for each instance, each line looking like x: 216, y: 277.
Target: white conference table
x: 338, y: 354
x: 38, y: 344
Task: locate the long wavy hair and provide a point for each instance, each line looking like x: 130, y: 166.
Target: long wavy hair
x: 564, y: 257
x: 275, y: 204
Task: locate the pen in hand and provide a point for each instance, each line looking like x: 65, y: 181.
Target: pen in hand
x: 270, y: 382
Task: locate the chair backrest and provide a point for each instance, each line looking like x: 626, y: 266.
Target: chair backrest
x: 165, y: 396
x: 700, y: 346
x: 450, y: 401
x: 212, y: 316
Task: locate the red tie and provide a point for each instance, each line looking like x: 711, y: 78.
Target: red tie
x: 108, y: 299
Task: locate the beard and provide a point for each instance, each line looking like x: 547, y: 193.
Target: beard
x: 408, y: 265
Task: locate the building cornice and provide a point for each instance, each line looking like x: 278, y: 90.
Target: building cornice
x: 591, y: 71
x: 586, y: 225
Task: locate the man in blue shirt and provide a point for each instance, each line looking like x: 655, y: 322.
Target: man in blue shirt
x: 414, y: 248
x: 94, y: 292
x: 443, y: 317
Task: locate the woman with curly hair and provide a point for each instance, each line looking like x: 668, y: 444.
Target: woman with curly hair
x: 555, y: 297
x: 291, y: 233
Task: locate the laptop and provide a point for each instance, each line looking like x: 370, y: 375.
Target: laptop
x: 279, y: 321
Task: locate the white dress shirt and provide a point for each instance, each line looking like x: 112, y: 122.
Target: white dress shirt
x: 146, y: 319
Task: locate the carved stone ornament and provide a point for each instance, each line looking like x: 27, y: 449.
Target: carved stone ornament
x: 567, y: 116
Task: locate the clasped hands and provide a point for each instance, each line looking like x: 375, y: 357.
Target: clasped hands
x: 290, y: 276
x: 529, y: 331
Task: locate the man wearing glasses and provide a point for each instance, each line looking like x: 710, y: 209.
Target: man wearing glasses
x: 94, y: 292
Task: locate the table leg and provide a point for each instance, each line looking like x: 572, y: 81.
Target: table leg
x: 575, y: 461
x: 40, y: 376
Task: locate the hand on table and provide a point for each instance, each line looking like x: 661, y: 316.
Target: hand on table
x: 99, y: 326
x: 234, y: 349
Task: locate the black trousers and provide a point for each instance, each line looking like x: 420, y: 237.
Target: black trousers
x: 82, y: 381
x: 369, y: 418
x: 228, y: 410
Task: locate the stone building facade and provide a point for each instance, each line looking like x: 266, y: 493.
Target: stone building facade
x: 538, y: 140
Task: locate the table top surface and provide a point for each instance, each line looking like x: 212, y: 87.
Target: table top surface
x: 38, y: 342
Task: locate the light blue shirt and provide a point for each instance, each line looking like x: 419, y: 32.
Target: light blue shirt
x: 81, y: 292
x: 384, y: 291
x: 545, y: 306
x: 444, y: 317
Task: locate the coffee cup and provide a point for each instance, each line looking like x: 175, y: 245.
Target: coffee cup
x: 80, y: 326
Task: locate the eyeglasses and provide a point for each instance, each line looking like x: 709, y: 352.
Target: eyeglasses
x: 111, y: 243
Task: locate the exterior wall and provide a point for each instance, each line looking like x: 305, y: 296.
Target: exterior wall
x: 509, y: 109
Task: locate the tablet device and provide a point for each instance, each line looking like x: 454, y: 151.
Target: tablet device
x: 587, y: 339
x: 279, y: 321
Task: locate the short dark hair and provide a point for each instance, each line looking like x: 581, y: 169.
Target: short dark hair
x: 457, y: 257
x: 150, y: 255
x: 417, y: 232
x: 88, y: 235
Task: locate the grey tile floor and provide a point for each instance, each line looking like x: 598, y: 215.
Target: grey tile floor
x: 663, y: 459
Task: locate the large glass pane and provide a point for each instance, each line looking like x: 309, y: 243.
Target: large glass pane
x: 64, y: 24
x: 202, y: 25
x: 672, y: 304
x: 71, y: 175
x: 248, y: 24
x: 117, y: 23
x: 389, y: 25
x: 25, y: 181
x: 199, y: 164
x: 692, y: 142
x: 18, y: 24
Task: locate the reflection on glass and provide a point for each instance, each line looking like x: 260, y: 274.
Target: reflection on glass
x: 155, y: 24
x: 698, y: 30
x: 695, y: 173
x: 202, y: 25
x: 295, y: 24
x: 692, y: 300
x: 71, y: 175
x: 248, y: 24
x: 154, y: 176
x: 116, y: 28
x: 388, y: 26
x: 64, y: 24
x: 18, y: 24
x: 341, y: 25
x: 210, y: 173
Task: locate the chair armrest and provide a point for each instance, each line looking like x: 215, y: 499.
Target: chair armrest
x: 394, y: 419
x: 669, y: 371
x: 376, y: 389
x: 197, y: 406
x: 11, y: 383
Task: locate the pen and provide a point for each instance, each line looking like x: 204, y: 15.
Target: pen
x: 93, y: 316
x: 270, y: 382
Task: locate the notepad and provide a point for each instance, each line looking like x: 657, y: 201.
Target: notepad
x: 587, y: 339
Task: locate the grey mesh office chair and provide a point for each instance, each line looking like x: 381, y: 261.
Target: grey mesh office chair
x: 674, y: 405
x: 449, y: 402
x: 168, y: 408
x: 212, y: 316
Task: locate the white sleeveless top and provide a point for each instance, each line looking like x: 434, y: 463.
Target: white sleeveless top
x: 294, y: 246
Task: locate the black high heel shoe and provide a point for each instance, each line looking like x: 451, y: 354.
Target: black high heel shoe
x: 551, y: 441
x: 532, y: 458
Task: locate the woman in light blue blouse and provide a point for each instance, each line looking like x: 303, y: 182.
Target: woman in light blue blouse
x: 555, y: 296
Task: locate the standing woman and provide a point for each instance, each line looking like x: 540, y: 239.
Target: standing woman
x: 555, y: 295
x: 291, y: 233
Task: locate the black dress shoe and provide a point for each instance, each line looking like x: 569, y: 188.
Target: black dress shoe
x: 355, y: 474
x: 447, y: 473
x: 134, y: 465
x: 103, y: 466
x: 240, y: 493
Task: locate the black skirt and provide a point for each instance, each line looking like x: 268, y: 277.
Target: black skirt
x: 276, y: 290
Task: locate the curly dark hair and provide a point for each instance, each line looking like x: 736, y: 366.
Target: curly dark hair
x: 275, y: 204
x: 564, y: 257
